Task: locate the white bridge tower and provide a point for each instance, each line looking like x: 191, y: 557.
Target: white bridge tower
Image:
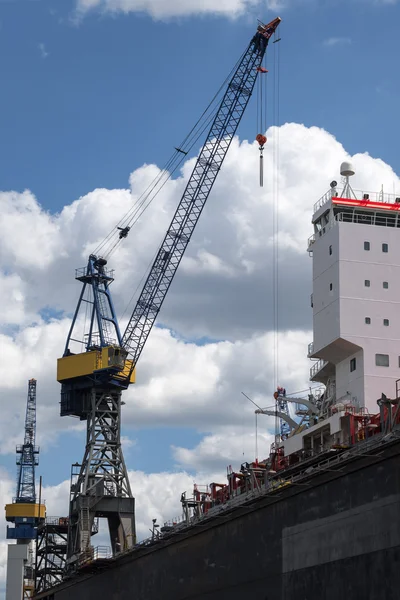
x: 356, y: 294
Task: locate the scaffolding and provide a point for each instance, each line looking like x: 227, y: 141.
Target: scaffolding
x: 51, y: 552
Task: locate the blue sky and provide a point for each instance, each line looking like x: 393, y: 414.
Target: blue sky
x: 85, y: 102
x: 106, y: 95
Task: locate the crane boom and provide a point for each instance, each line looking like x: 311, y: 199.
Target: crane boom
x: 28, y: 451
x: 197, y: 191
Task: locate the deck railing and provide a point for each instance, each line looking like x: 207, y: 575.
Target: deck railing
x: 317, y: 367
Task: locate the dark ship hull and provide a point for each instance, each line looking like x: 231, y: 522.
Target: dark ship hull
x: 333, y: 532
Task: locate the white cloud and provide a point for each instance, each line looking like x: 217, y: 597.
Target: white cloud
x: 207, y: 263
x: 201, y: 386
x: 43, y: 51
x: 337, y: 41
x: 12, y: 300
x: 229, y: 254
x: 157, y: 496
x: 178, y: 383
x: 232, y: 9
x: 27, y: 223
x: 230, y: 446
x: 160, y: 9
x: 222, y: 291
x: 127, y: 442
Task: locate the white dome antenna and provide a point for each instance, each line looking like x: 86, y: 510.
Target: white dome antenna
x: 346, y: 171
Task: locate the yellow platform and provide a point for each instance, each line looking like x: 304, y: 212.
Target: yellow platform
x: 79, y: 365
x: 28, y: 510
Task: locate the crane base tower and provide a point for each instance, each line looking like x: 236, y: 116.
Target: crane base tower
x: 100, y: 486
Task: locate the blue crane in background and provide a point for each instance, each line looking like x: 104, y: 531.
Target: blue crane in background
x: 24, y: 512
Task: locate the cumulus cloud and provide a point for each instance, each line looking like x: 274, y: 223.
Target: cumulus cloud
x: 222, y: 292
x: 337, y: 41
x: 229, y: 446
x: 202, y: 385
x: 163, y: 10
x: 42, y: 50
x: 157, y: 496
x: 230, y: 252
x: 159, y: 9
x: 178, y: 383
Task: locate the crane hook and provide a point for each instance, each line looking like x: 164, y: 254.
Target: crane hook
x: 261, y: 139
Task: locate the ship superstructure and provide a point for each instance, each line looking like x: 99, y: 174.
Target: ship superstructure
x: 355, y: 350
x: 355, y: 250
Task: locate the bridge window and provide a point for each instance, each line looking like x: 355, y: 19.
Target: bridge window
x: 367, y: 246
x: 353, y: 365
x: 382, y: 360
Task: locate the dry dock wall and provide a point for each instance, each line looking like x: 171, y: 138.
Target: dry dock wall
x: 336, y: 536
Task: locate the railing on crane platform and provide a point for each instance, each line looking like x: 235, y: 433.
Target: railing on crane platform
x: 59, y: 521
x: 82, y: 272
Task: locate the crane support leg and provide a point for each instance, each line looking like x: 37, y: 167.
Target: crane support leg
x: 100, y: 486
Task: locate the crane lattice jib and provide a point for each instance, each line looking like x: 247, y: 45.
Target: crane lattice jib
x: 26, y: 454
x: 198, y: 188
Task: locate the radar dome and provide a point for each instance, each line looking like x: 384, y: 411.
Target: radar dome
x: 347, y: 169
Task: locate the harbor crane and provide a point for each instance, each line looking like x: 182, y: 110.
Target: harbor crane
x: 92, y: 381
x: 309, y: 410
x: 24, y: 511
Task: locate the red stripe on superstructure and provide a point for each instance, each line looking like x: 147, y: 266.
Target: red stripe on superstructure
x: 366, y: 204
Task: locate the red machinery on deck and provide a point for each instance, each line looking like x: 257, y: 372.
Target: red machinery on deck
x: 357, y: 425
